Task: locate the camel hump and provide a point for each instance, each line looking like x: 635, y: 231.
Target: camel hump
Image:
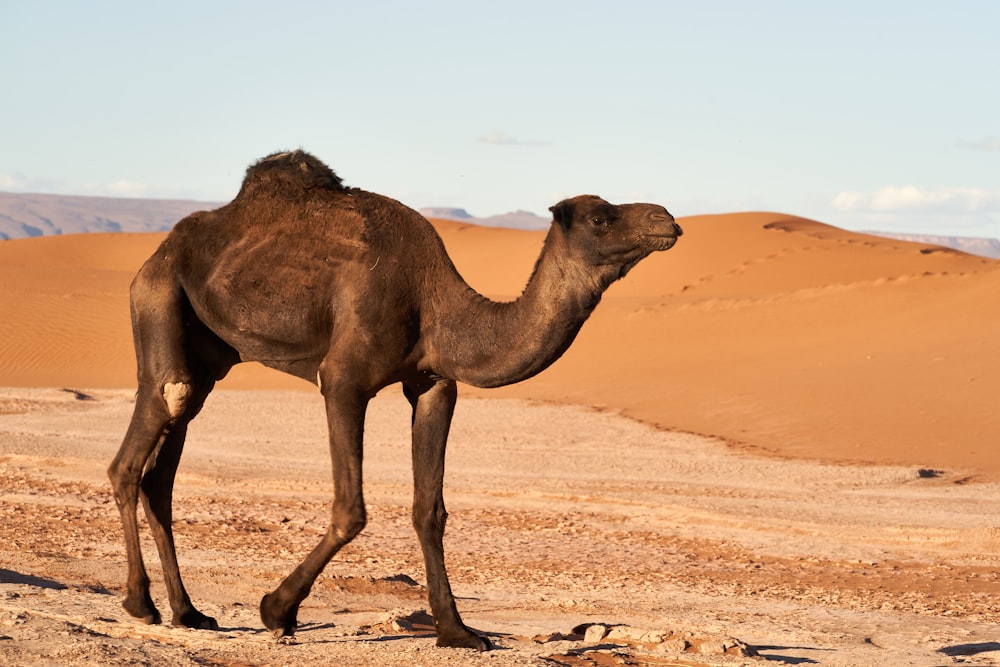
x: 290, y: 172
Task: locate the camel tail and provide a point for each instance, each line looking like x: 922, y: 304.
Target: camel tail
x: 291, y: 172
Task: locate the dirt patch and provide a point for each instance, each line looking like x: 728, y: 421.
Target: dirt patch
x: 622, y: 545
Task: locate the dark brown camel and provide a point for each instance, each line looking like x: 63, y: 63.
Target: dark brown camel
x: 353, y: 291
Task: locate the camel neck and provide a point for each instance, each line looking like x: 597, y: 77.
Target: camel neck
x: 490, y: 344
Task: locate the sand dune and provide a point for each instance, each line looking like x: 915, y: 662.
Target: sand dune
x: 773, y: 332
x: 779, y: 335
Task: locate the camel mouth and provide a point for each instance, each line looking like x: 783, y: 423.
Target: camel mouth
x: 668, y: 242
x: 663, y: 241
x: 664, y: 236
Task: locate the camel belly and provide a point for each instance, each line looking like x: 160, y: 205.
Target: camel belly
x: 265, y: 323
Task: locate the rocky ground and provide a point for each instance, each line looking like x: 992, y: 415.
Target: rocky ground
x: 575, y: 538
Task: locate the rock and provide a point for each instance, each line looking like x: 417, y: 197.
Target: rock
x: 712, y: 647
x: 621, y: 633
x: 595, y: 633
x: 403, y: 620
x: 674, y: 645
x: 629, y: 634
x: 559, y: 647
x: 653, y: 637
x: 726, y: 646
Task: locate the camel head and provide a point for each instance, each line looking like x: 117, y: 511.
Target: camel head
x: 612, y: 238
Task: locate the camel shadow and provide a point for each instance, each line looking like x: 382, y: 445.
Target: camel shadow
x: 392, y: 638
x: 12, y: 577
x: 311, y: 627
x: 305, y: 628
x: 765, y: 653
x: 969, y: 649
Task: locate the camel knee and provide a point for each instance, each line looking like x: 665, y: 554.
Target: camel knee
x: 123, y: 486
x: 177, y: 396
x: 348, y: 522
x: 429, y: 517
x: 124, y: 475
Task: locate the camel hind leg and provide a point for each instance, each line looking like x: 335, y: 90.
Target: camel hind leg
x: 171, y: 391
x: 144, y: 469
x: 145, y: 433
x: 156, y: 493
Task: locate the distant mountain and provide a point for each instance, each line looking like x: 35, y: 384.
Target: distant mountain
x: 513, y: 220
x: 23, y: 215
x: 984, y: 247
x: 446, y: 213
x: 516, y: 220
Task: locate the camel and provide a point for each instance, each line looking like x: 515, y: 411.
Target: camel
x: 354, y: 292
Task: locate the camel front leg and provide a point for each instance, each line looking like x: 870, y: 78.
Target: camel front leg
x: 345, y: 408
x: 433, y: 406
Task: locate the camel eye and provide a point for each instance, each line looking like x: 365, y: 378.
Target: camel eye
x: 599, y: 221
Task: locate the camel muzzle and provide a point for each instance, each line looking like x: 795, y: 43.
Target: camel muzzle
x: 665, y: 230
x: 671, y: 228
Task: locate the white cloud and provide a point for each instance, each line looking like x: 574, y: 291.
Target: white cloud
x: 123, y: 189
x: 135, y: 190
x: 18, y: 182
x: 948, y: 211
x: 985, y: 144
x: 912, y: 198
x: 13, y: 181
x: 501, y: 138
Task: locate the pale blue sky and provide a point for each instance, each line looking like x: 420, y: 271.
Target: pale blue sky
x: 867, y: 115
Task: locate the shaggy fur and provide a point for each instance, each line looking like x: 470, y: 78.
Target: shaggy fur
x: 290, y: 173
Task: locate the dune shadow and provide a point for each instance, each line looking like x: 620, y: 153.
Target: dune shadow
x: 12, y: 577
x: 969, y: 649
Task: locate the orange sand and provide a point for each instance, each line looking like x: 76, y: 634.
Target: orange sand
x: 774, y: 332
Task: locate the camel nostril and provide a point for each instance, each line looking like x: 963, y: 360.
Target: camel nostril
x: 667, y: 220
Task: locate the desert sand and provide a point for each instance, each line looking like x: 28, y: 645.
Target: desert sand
x: 777, y: 438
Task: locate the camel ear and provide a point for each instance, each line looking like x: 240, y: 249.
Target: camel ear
x: 562, y: 213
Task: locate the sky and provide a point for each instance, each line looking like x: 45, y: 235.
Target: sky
x: 867, y: 115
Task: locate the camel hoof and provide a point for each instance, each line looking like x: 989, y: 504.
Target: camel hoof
x: 194, y: 619
x: 143, y: 610
x: 467, y: 640
x: 280, y: 623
